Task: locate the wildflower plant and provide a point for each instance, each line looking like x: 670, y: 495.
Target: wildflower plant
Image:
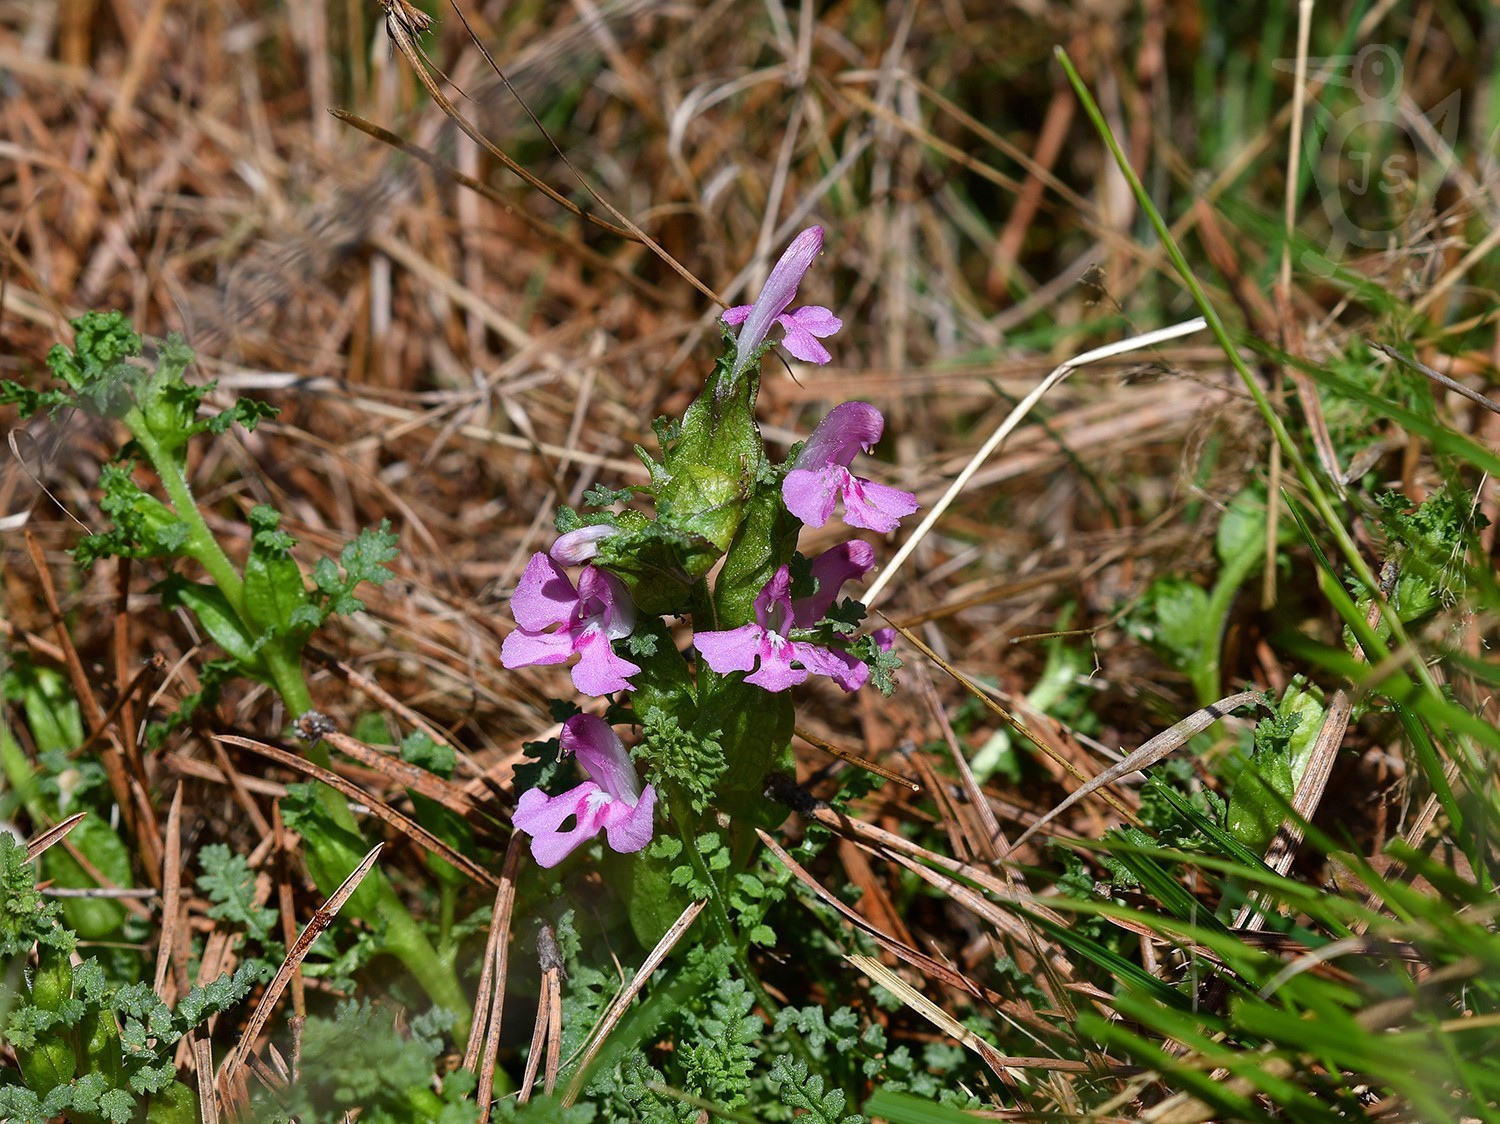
x: 261, y: 612
x: 717, y: 548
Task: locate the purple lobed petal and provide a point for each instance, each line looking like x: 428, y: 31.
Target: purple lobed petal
x: 537, y: 813
x: 734, y: 649
x: 540, y: 816
x: 812, y: 318
x: 848, y: 672
x: 810, y: 494
x: 544, y: 596
x: 803, y: 330
x: 599, y: 671
x: 805, y: 347
x: 876, y: 507
x: 629, y: 828
x: 847, y: 429
x: 831, y: 570
x: 523, y: 648
x: 776, y: 672
x: 602, y: 754
x: 776, y: 676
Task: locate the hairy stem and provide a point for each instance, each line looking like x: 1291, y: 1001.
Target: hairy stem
x: 405, y: 939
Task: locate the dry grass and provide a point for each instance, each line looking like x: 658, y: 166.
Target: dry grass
x: 463, y: 362
x: 438, y: 362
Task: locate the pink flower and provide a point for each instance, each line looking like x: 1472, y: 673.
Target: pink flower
x: 803, y: 326
x: 737, y: 649
x: 580, y: 545
x: 597, y: 612
x: 832, y: 569
x: 820, y: 475
x: 611, y: 800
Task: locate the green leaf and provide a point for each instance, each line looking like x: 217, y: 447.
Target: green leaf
x: 1283, y: 743
x: 1429, y: 545
x: 903, y: 1108
x: 688, y: 762
x: 330, y: 850
x: 144, y: 527
x: 96, y: 368
x: 420, y: 750
x: 754, y: 727
x: 26, y: 918
x: 882, y: 662
x: 43, y: 1052
x: 52, y: 713
x: 169, y: 405
x: 365, y: 1055
x: 214, y: 998
x: 658, y: 886
x: 656, y: 561
x: 275, y: 593
x: 247, y: 412
x: 56, y: 724
x: 22, y: 1106
x: 765, y: 540
x: 719, y: 1053
x: 710, y: 470
x: 218, y: 619
x: 1442, y: 438
x: 97, y: 1038
x: 1156, y: 790
x: 1242, y: 530
x: 762, y: 935
x: 1171, y: 618
x: 363, y: 560
x: 229, y: 883
x: 705, y: 504
x: 600, y: 496
x: 154, y: 1078
x: 212, y: 676
x: 93, y: 918
x: 117, y: 1106
x: 29, y: 402
x: 174, y: 1104
x: 805, y: 1092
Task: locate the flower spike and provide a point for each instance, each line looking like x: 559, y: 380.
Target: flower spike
x: 820, y: 475
x: 738, y: 649
x: 588, y: 619
x: 611, y: 800
x: 803, y: 326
